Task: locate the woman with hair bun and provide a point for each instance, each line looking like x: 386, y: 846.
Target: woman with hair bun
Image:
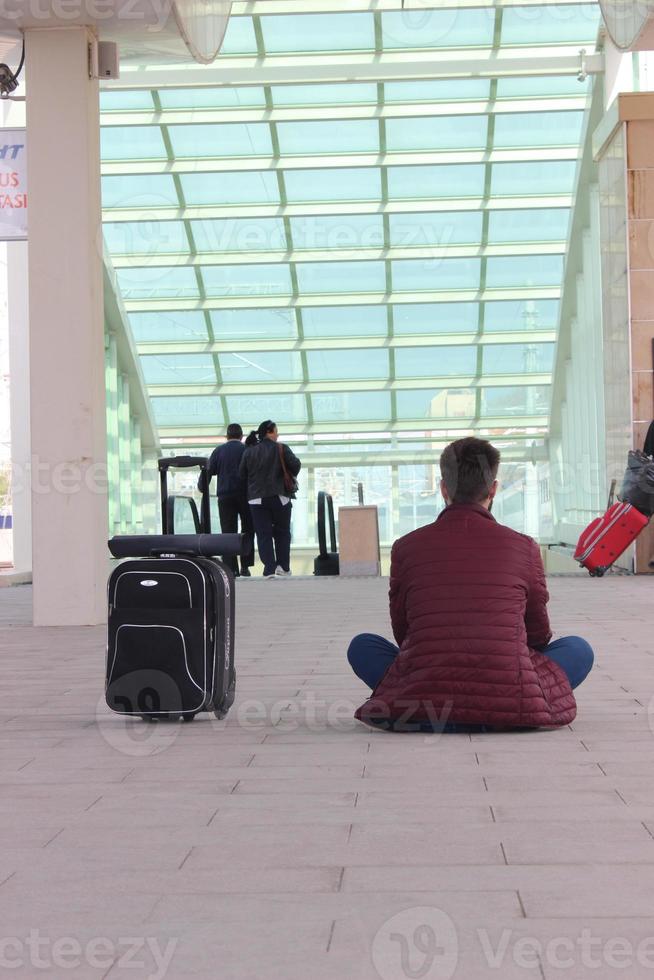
x: 270, y: 468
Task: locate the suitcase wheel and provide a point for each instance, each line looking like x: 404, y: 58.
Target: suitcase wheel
x: 188, y: 718
x: 148, y: 718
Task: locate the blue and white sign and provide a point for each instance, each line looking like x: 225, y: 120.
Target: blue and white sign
x: 13, y: 185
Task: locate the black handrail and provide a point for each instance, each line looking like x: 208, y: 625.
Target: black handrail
x: 170, y: 514
x: 325, y: 503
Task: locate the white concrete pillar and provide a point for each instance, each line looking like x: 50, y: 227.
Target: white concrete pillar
x: 19, y: 404
x: 69, y: 496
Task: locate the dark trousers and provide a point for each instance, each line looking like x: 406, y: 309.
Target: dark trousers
x: 230, y: 509
x: 370, y: 656
x: 272, y: 523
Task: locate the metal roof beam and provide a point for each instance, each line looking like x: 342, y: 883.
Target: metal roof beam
x: 341, y: 386
x: 319, y: 113
x: 338, y: 67
x: 242, y: 8
x: 259, y: 301
x: 207, y: 212
x: 485, y: 427
x: 429, y: 253
x: 346, y: 343
x: 406, y: 158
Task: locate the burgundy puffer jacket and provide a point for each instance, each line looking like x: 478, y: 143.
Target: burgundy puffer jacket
x: 468, y: 605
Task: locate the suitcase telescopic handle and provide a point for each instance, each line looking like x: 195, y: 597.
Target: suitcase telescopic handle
x: 182, y: 462
x: 611, y: 494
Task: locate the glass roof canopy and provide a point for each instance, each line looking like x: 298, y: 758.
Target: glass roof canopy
x: 350, y: 257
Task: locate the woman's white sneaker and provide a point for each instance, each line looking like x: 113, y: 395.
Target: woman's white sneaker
x: 281, y: 573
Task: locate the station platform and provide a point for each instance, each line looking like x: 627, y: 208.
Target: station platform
x: 289, y: 842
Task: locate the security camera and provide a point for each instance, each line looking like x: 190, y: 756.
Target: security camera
x: 8, y: 81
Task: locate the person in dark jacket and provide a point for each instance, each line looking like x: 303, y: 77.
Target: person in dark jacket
x: 468, y: 604
x: 224, y: 464
x: 263, y: 468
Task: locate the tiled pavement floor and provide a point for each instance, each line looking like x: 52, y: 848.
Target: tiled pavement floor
x: 289, y: 843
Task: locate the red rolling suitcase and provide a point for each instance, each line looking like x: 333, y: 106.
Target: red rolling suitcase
x: 605, y: 538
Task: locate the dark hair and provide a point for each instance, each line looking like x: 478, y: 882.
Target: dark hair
x: 234, y: 431
x: 265, y: 428
x: 469, y: 468
x: 252, y: 439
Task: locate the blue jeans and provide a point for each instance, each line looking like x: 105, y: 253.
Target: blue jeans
x: 370, y: 656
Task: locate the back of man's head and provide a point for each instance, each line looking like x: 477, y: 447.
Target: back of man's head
x: 234, y: 431
x: 469, y: 469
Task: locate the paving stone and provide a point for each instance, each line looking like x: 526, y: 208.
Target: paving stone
x: 284, y: 842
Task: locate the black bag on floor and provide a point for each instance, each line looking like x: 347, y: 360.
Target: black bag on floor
x: 170, y: 650
x: 638, y: 483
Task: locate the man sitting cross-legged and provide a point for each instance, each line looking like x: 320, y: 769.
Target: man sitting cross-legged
x: 468, y: 604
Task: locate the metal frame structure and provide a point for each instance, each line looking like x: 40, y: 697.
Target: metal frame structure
x: 151, y: 100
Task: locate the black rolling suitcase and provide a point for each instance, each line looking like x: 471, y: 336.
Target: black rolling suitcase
x: 170, y: 649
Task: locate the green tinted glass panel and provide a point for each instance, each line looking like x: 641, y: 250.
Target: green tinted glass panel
x: 436, y: 403
x: 181, y: 410
x: 250, y: 410
x: 521, y: 129
x: 239, y: 37
x: 439, y: 228
x: 550, y: 86
x: 355, y: 184
x: 518, y: 358
x: 137, y: 191
x: 349, y: 231
x: 178, y: 369
x: 132, y: 143
x: 153, y: 283
x: 169, y: 327
x: 318, y: 32
x: 344, y: 321
x: 531, y: 314
x: 434, y: 362
x: 255, y: 187
x: 437, y: 90
x: 145, y: 238
x: 239, y: 235
x: 352, y: 93
x: 538, y: 225
x: 421, y: 318
x: 225, y: 140
x: 261, y: 366
x: 549, y: 24
x: 247, y: 280
x: 125, y: 101
x: 264, y: 324
x: 420, y: 274
x: 512, y: 401
x: 524, y: 270
x: 326, y: 365
x: 533, y: 179
x: 436, y: 133
x: 338, y: 136
x: 449, y: 28
x: 341, y: 277
x: 352, y: 406
x: 436, y: 182
x: 212, y: 98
